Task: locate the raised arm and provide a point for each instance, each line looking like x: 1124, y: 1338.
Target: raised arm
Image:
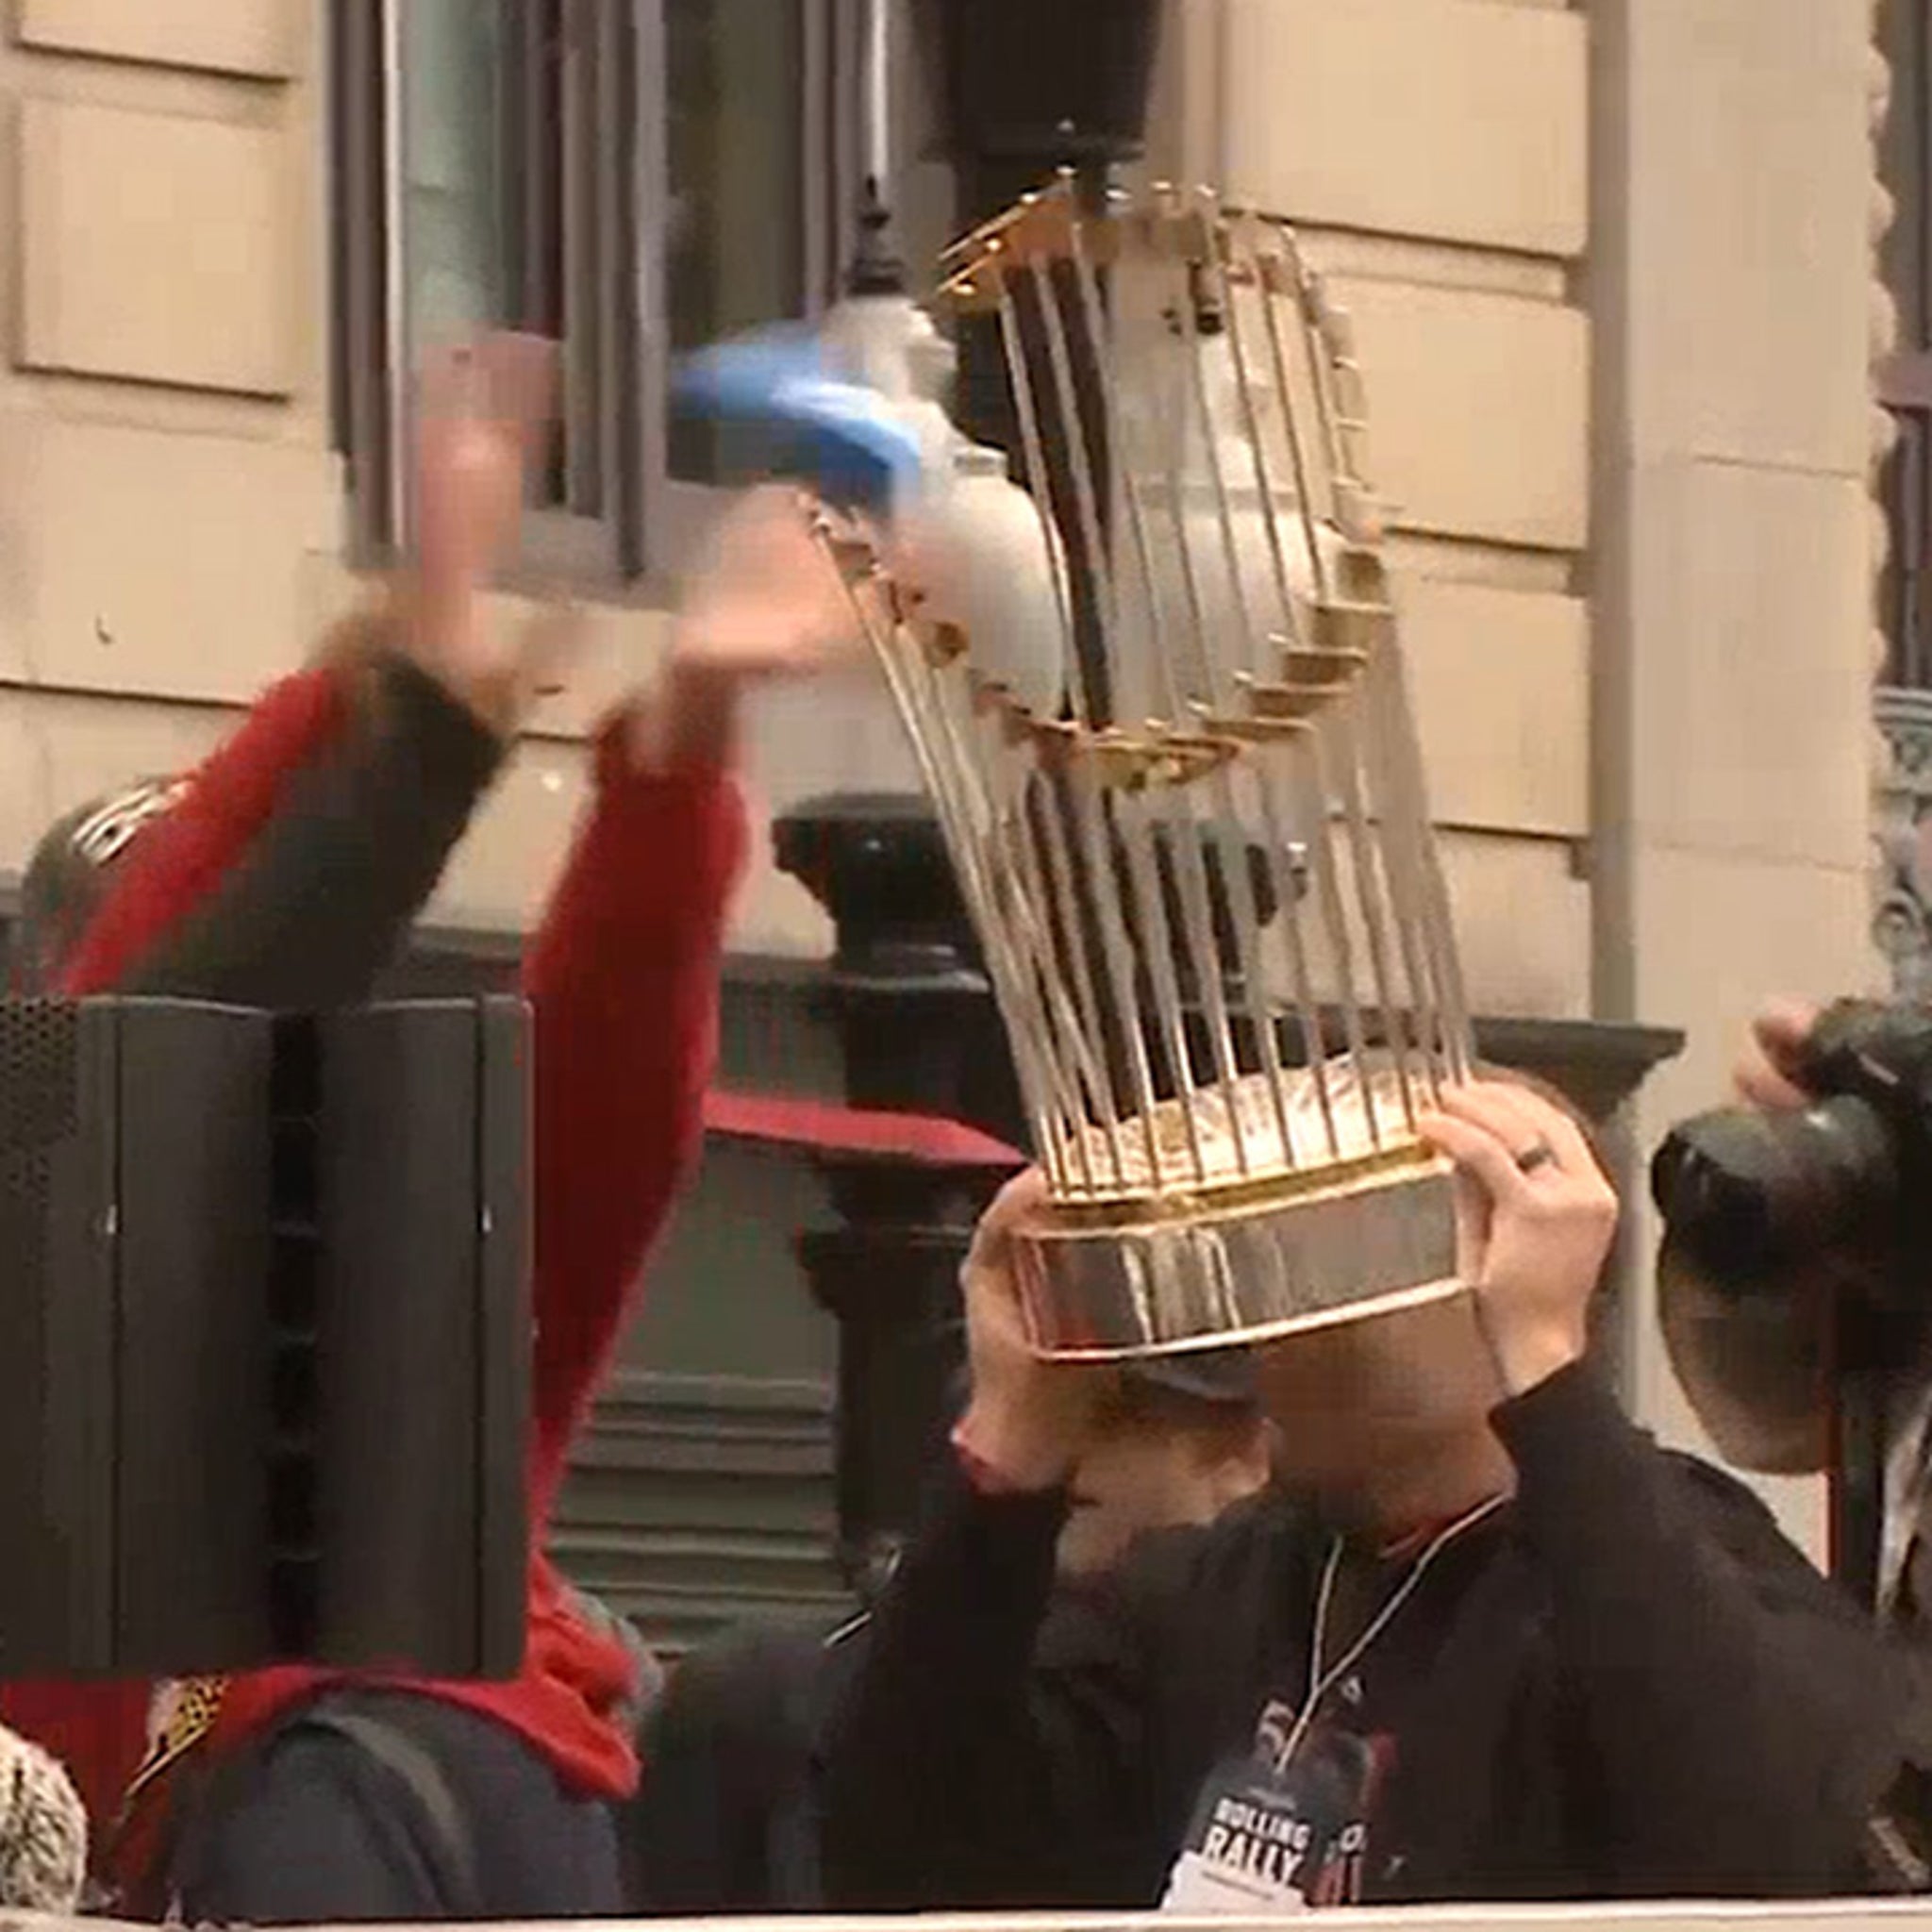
x: 987, y: 1752
x: 623, y: 984
x: 180, y: 859
x: 1737, y: 1714
x: 294, y: 859
x: 623, y: 978
x: 292, y: 867
x: 290, y: 870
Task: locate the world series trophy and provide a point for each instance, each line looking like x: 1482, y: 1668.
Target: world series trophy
x: 1222, y: 1062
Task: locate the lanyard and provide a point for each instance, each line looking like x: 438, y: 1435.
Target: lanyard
x: 1320, y: 1681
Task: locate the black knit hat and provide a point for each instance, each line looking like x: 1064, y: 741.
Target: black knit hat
x: 67, y: 878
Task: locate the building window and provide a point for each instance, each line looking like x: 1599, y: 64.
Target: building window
x: 1902, y: 922
x: 1904, y: 383
x: 631, y: 177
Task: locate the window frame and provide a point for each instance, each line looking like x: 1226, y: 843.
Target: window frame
x: 1903, y: 380
x: 624, y: 554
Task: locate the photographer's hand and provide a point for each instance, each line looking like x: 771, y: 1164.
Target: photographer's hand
x: 1535, y: 1220
x: 1765, y: 1075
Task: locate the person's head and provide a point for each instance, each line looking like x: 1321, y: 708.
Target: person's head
x: 1171, y: 1445
x: 1377, y: 1412
x: 67, y: 878
x: 1757, y: 1368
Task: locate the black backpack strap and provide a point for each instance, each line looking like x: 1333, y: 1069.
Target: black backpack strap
x: 371, y: 1725
x: 407, y: 1758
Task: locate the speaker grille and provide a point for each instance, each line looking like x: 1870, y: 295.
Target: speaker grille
x: 38, y: 1042
x: 294, y: 1316
x: 38, y: 1111
x: 42, y: 1415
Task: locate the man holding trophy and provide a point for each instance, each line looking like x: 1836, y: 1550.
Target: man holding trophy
x: 1565, y: 1664
x: 1481, y: 1639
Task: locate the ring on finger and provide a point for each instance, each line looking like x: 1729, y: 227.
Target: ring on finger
x: 1537, y: 1153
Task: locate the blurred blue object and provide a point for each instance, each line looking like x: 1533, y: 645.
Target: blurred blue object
x: 846, y: 441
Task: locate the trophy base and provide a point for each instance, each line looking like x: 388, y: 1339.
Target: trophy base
x: 1150, y: 1278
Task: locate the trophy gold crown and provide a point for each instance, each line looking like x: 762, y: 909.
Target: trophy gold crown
x: 1193, y: 839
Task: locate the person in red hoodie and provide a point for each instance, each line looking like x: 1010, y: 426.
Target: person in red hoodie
x: 285, y: 873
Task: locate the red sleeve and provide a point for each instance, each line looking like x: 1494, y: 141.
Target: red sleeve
x: 99, y: 1729
x: 182, y: 857
x: 623, y: 983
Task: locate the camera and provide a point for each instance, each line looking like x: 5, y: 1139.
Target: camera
x: 1747, y: 1196
x: 1788, y: 1280
x: 1787, y: 1292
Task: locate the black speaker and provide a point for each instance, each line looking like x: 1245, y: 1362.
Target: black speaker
x: 423, y: 1335
x: 134, y: 1412
x: 264, y: 1336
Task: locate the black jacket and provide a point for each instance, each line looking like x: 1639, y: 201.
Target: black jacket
x: 309, y: 914
x: 1624, y: 1684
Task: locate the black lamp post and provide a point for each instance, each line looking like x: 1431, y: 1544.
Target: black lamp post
x: 1027, y: 86
x: 916, y: 1021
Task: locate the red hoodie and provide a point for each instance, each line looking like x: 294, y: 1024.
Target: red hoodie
x: 99, y: 1730
x: 623, y: 983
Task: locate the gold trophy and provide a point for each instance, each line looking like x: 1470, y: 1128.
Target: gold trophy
x: 1200, y: 863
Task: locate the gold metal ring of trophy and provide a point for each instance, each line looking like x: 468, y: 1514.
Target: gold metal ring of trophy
x: 1536, y: 1155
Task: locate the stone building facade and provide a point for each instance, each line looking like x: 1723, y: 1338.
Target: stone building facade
x: 1611, y: 264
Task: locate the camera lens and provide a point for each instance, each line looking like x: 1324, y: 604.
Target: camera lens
x: 1744, y: 1194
